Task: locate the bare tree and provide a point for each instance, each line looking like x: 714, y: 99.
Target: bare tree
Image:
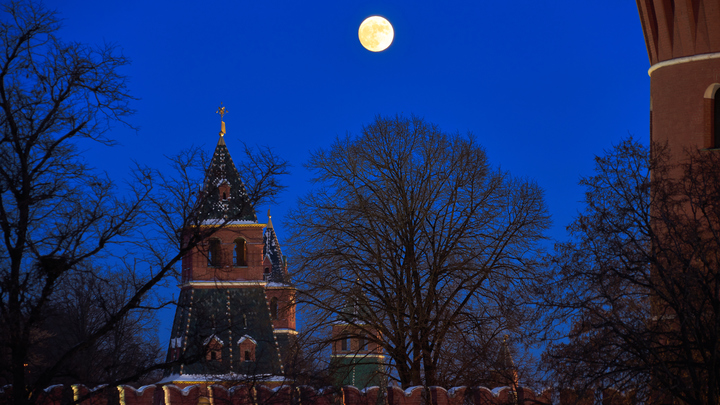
x: 428, y: 236
x: 81, y: 303
x: 639, y: 279
x: 57, y: 214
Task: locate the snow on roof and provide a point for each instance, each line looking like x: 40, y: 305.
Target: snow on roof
x: 246, y: 337
x: 140, y: 390
x: 276, y: 284
x: 497, y: 390
x: 213, y: 337
x: 99, y: 387
x: 219, y: 221
x: 218, y: 377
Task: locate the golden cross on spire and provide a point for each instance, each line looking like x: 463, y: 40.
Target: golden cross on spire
x: 222, y: 111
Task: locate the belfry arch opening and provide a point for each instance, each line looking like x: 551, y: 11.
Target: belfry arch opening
x: 240, y: 252
x: 214, y: 252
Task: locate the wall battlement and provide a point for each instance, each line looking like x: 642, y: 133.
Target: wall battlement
x: 285, y: 395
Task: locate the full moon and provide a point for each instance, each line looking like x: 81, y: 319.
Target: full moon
x: 376, y: 33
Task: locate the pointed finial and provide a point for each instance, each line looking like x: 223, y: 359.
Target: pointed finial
x: 269, y: 219
x: 222, y: 111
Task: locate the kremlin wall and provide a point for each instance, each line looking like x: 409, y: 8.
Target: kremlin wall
x: 285, y: 395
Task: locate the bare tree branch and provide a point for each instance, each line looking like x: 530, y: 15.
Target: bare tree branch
x: 417, y: 224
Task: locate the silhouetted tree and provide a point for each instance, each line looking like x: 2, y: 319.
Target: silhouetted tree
x: 639, y: 279
x: 430, y: 238
x: 81, y: 303
x: 56, y: 214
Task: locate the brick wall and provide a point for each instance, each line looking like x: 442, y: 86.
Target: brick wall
x: 285, y: 395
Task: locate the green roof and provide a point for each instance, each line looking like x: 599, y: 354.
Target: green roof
x: 227, y: 316
x: 359, y: 371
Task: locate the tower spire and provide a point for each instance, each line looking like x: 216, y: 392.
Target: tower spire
x: 222, y: 111
x: 272, y: 251
x: 226, y: 197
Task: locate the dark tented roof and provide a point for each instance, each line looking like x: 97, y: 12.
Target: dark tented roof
x: 272, y: 250
x: 235, y: 206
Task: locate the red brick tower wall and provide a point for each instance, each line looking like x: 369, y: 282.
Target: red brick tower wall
x: 285, y: 306
x: 195, y: 264
x: 341, y: 330
x: 683, y: 43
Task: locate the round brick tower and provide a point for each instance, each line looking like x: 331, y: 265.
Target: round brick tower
x: 683, y: 43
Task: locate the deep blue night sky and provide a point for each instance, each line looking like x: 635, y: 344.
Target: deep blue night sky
x: 544, y: 86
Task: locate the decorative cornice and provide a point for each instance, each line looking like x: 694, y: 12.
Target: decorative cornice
x: 218, y: 283
x: 676, y: 29
x: 686, y: 59
x: 229, y: 225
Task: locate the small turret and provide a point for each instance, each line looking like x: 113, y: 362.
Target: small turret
x: 356, y: 359
x: 273, y: 254
x: 504, y: 372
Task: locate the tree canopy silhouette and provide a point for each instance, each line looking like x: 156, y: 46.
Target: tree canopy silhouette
x: 433, y: 241
x: 639, y: 278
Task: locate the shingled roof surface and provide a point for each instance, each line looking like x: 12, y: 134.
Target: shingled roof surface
x: 271, y: 249
x: 236, y: 206
x: 228, y: 315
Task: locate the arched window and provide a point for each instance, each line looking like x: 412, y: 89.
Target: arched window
x: 240, y: 252
x: 273, y: 308
x: 712, y: 116
x: 214, y: 253
x: 224, y: 191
